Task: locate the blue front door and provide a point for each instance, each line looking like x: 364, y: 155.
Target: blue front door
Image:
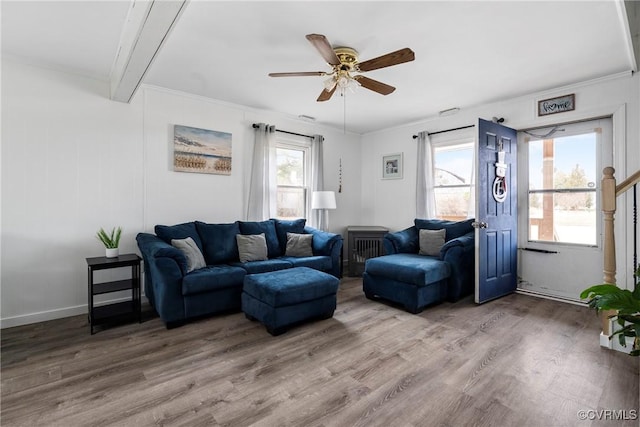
x: 496, y: 212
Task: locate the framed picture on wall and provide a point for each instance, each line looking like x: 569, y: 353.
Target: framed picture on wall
x: 392, y: 166
x: 201, y: 150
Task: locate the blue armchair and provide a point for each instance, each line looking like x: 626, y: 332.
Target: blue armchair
x: 413, y: 280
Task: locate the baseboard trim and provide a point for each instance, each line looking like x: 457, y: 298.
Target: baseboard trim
x: 43, y: 316
x: 551, y: 297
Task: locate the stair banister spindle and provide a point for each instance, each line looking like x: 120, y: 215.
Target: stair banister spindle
x: 609, y: 249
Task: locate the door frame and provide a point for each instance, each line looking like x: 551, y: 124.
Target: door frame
x: 618, y: 114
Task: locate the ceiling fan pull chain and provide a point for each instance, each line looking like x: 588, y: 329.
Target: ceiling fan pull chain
x: 344, y: 112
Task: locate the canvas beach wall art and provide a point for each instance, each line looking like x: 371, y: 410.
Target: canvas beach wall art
x: 201, y: 150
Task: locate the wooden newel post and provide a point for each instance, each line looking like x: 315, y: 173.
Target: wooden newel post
x: 609, y: 247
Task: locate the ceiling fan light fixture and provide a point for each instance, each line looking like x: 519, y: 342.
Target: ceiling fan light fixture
x: 330, y: 83
x: 344, y: 61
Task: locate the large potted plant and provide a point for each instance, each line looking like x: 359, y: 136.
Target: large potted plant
x: 111, y: 241
x: 625, y: 303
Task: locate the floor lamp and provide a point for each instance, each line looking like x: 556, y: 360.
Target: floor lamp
x: 323, y: 201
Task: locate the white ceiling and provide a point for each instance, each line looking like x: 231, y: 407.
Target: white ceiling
x: 467, y: 53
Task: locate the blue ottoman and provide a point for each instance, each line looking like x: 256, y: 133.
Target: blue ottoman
x: 279, y: 299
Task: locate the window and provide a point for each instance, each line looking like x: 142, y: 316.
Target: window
x: 562, y: 187
x: 453, y: 181
x: 292, y: 162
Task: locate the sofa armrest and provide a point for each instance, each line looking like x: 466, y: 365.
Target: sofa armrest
x: 164, y: 269
x: 467, y: 241
x: 404, y: 241
x: 154, y: 247
x: 459, y: 253
x: 327, y: 244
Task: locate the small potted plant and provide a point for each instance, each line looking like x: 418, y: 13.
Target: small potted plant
x: 627, y: 305
x: 110, y: 241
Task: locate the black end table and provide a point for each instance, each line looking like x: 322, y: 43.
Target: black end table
x: 118, y: 312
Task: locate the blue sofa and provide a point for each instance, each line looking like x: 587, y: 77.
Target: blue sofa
x: 414, y: 281
x: 178, y: 295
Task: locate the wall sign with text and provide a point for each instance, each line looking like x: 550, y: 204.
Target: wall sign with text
x: 557, y: 105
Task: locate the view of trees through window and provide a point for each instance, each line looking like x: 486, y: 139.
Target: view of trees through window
x: 290, y: 177
x: 453, y: 181
x: 562, y: 189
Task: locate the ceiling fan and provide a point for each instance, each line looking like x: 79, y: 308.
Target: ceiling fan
x: 344, y: 62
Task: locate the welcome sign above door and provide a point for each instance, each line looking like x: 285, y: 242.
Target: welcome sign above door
x: 557, y: 105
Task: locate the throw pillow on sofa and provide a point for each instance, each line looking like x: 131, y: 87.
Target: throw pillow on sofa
x: 431, y: 241
x: 195, y: 260
x: 179, y: 231
x: 454, y: 229
x: 252, y: 247
x: 284, y: 226
x: 268, y: 228
x: 299, y: 245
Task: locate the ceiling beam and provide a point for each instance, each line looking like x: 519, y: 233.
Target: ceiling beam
x: 148, y: 25
x: 629, y: 13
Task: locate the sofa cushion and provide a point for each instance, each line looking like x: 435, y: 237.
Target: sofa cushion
x: 431, y: 241
x: 218, y: 242
x: 254, y: 267
x: 319, y: 262
x: 454, y: 229
x: 251, y: 247
x: 212, y: 278
x: 267, y: 227
x: 288, y: 226
x: 178, y: 231
x: 192, y: 253
x: 287, y: 287
x: 416, y: 269
x: 299, y: 245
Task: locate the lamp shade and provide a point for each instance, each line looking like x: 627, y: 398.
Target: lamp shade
x: 323, y: 200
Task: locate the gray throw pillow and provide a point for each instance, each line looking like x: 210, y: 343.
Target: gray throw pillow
x: 299, y: 245
x: 195, y: 260
x: 431, y: 241
x: 252, y: 247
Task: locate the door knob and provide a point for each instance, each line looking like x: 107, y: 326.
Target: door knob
x: 476, y: 224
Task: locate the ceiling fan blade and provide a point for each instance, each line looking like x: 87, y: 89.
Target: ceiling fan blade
x: 393, y: 58
x: 325, y: 95
x: 374, y: 85
x: 302, y: 73
x: 321, y: 43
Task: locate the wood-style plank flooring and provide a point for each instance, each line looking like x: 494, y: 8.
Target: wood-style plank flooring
x: 517, y: 361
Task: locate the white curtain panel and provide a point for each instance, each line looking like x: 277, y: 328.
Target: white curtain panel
x: 317, y: 180
x: 263, y: 186
x: 471, y: 211
x: 425, y: 195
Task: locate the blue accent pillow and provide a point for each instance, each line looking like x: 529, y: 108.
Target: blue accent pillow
x: 454, y: 229
x: 178, y: 232
x: 219, y: 242
x: 267, y: 227
x: 283, y: 227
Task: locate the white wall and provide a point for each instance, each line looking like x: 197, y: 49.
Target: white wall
x: 391, y: 203
x: 74, y: 161
x: 70, y: 165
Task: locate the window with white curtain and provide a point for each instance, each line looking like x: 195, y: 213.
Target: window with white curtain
x: 292, y: 178
x: 453, y: 180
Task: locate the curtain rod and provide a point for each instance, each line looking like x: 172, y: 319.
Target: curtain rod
x: 255, y: 126
x: 447, y: 130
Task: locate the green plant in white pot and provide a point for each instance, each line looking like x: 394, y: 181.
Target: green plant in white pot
x: 626, y: 303
x: 111, y: 241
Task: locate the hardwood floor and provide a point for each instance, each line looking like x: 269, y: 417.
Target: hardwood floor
x: 517, y: 361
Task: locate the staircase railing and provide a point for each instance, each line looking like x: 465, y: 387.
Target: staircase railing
x: 610, y: 192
